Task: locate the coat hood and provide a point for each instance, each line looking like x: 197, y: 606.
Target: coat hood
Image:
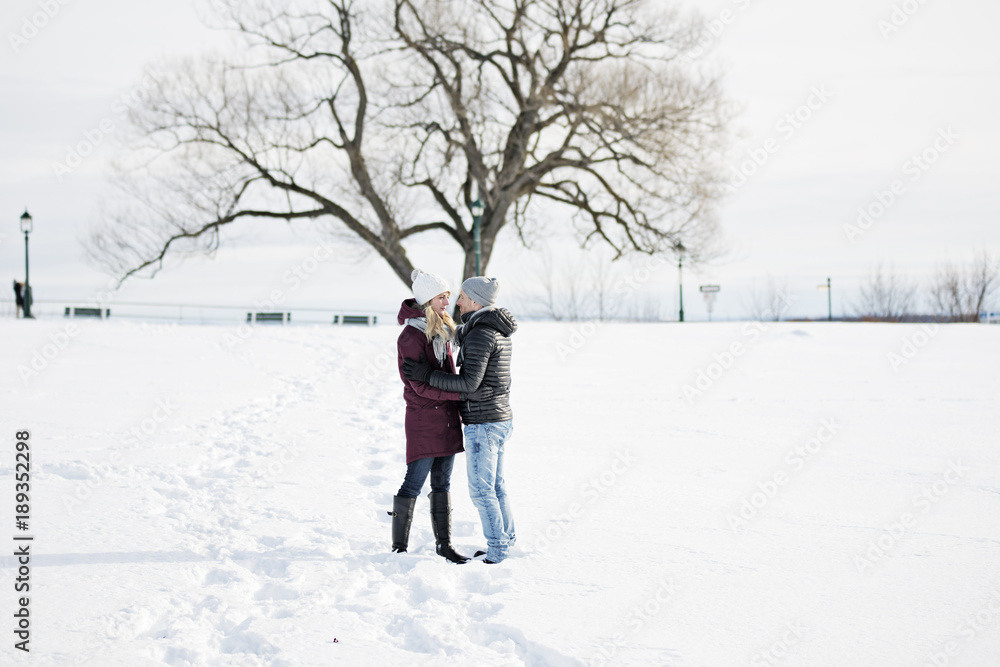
x: 495, y: 318
x: 408, y: 309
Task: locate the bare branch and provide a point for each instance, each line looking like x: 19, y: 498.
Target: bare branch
x: 392, y: 116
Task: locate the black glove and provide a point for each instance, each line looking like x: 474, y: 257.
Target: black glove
x: 419, y: 371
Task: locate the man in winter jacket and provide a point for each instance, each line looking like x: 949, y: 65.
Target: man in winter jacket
x: 483, y: 385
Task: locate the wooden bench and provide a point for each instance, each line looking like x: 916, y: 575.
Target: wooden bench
x: 280, y: 318
x: 83, y: 311
x: 369, y: 320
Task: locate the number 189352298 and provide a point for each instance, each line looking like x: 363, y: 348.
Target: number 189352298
x: 22, y: 487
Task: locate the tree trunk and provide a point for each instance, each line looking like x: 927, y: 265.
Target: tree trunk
x: 487, y: 239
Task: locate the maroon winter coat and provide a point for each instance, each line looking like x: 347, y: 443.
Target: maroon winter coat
x: 433, y: 425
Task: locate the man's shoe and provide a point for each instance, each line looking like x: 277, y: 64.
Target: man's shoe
x: 485, y: 560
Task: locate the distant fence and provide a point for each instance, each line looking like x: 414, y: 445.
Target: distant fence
x: 234, y: 314
x: 198, y: 313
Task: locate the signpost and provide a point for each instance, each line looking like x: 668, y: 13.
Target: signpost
x: 709, y: 293
x: 829, y: 299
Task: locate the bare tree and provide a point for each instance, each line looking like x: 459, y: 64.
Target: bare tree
x: 563, y: 293
x: 648, y: 308
x: 960, y: 293
x: 948, y: 292
x: 984, y: 276
x: 574, y: 289
x: 547, y: 302
x: 885, y: 296
x: 575, y: 294
x: 771, y: 302
x: 602, y: 279
x: 390, y: 117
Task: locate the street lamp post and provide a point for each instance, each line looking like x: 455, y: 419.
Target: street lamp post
x: 829, y: 301
x: 680, y: 276
x: 26, y: 226
x: 477, y: 209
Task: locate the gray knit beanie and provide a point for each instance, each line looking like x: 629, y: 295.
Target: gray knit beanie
x: 482, y: 290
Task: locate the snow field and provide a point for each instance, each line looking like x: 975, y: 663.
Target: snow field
x: 819, y: 494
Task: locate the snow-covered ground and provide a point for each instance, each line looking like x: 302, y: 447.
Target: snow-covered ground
x: 696, y: 494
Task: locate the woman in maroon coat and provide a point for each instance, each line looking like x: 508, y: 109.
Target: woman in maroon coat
x: 433, y: 424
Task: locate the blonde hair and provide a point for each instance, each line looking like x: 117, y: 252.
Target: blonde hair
x: 441, y: 325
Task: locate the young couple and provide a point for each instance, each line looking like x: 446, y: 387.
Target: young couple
x: 439, y: 400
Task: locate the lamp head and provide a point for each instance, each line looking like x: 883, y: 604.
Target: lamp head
x: 26, y: 223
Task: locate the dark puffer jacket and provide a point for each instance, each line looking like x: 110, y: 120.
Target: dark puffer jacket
x: 484, y: 379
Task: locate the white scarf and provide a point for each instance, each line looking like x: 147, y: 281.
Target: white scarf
x: 440, y: 343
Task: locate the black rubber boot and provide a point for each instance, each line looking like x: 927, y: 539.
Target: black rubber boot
x: 441, y: 523
x: 402, y: 517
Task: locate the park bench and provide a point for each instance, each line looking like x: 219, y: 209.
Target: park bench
x: 83, y: 311
x: 369, y: 320
x: 280, y: 318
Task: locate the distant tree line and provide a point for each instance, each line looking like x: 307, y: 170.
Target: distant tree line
x: 956, y: 293
x: 593, y: 289
x: 596, y: 289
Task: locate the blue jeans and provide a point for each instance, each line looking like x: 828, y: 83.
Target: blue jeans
x: 484, y: 459
x: 439, y: 468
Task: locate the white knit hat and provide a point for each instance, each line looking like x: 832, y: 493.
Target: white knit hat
x: 426, y: 286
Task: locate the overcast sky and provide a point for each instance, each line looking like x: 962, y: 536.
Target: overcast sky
x: 884, y: 107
